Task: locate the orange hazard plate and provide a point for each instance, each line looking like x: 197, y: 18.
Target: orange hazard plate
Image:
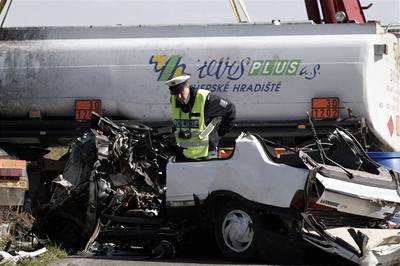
x: 325, y: 108
x: 84, y: 109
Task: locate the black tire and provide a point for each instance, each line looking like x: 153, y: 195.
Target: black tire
x: 235, y: 231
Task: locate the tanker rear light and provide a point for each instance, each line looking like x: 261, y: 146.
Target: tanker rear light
x: 35, y: 114
x: 9, y: 163
x: 10, y: 172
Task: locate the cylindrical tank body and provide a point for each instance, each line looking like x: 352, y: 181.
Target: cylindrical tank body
x: 270, y: 72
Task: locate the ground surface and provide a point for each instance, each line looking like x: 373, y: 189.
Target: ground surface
x: 103, y: 261
x: 285, y: 254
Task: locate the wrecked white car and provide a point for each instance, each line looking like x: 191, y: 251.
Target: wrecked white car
x: 346, y: 211
x: 121, y: 185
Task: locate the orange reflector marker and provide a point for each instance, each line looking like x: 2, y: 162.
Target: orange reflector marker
x: 225, y: 153
x: 301, y: 126
x: 35, y: 114
x: 5, y: 163
x: 279, y: 152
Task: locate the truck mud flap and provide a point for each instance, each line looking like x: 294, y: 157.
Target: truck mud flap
x: 364, y: 246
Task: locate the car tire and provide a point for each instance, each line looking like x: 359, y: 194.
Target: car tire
x: 235, y: 231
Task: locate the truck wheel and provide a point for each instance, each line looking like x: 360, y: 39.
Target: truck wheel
x: 235, y: 231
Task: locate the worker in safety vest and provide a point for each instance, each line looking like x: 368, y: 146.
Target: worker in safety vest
x: 200, y: 118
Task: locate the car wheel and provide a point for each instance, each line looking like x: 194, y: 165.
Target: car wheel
x: 235, y: 231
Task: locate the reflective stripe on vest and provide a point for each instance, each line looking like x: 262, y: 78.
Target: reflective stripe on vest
x: 194, y: 146
x: 194, y: 135
x: 189, y: 144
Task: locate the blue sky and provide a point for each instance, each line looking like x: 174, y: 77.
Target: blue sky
x: 134, y: 12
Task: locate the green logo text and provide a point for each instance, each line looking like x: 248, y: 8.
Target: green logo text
x: 274, y: 67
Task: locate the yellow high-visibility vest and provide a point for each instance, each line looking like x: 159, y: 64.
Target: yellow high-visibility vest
x: 191, y: 123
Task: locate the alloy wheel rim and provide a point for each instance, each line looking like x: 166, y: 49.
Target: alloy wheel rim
x: 237, y: 230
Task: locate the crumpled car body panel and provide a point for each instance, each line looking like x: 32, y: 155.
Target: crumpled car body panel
x: 365, y: 247
x: 250, y: 172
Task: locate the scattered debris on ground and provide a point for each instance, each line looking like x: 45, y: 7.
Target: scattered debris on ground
x: 19, y: 245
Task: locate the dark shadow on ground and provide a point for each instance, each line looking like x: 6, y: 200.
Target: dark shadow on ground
x: 272, y: 250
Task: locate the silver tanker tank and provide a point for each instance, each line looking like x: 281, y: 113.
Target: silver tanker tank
x: 271, y: 72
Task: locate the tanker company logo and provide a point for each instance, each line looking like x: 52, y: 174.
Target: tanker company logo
x: 283, y: 68
x: 233, y: 70
x: 274, y: 67
x: 168, y: 67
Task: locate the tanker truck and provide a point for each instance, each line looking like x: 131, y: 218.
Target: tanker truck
x: 344, y: 74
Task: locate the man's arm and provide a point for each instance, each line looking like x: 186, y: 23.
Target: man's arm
x: 217, y: 106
